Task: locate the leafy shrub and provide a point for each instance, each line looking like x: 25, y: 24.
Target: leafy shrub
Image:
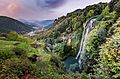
x: 27, y: 48
x: 13, y: 36
x: 20, y: 52
x: 90, y: 14
x: 6, y: 54
x: 95, y: 39
x: 117, y: 7
x: 59, y: 48
x: 15, y: 68
x: 103, y: 14
x: 111, y: 4
x: 57, y: 64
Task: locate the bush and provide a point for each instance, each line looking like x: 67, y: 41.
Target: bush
x: 117, y: 7
x: 95, y: 39
x: 57, y: 64
x: 16, y: 69
x: 104, y: 13
x: 59, y: 48
x: 20, y: 52
x: 13, y: 36
x: 26, y: 48
x: 90, y: 14
x: 6, y: 54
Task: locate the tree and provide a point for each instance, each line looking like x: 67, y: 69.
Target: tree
x: 90, y: 14
x: 117, y: 7
x: 112, y: 4
x: 104, y: 13
x: 12, y: 36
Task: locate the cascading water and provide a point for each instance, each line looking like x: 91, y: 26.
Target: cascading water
x: 81, y: 52
x: 73, y: 64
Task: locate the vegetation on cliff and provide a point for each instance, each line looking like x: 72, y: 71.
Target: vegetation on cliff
x: 42, y: 57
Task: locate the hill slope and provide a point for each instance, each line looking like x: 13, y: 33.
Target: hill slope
x: 74, y: 21
x: 102, y: 48
x: 8, y: 24
x: 22, y: 58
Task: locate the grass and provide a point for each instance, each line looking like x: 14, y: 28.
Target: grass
x: 6, y: 45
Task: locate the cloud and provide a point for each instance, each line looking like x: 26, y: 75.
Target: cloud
x: 42, y: 4
x: 12, y: 8
x: 41, y: 9
x: 8, y: 7
x: 50, y: 3
x: 38, y: 9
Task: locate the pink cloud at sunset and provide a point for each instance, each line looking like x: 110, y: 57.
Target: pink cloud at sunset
x: 42, y: 9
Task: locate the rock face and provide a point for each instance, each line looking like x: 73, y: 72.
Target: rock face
x: 9, y: 24
x: 49, y: 47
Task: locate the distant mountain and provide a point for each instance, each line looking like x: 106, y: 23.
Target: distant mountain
x: 45, y: 22
x: 37, y: 23
x: 8, y: 24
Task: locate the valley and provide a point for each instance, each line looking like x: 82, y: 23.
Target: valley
x: 84, y: 44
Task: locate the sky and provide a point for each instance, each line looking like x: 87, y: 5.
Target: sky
x: 42, y: 9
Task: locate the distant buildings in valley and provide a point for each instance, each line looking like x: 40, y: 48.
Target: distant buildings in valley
x: 35, y: 32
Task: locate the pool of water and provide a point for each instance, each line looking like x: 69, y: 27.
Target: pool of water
x: 71, y: 64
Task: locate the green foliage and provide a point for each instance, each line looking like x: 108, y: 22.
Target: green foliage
x: 19, y: 52
x: 8, y: 24
x: 57, y: 64
x: 109, y: 65
x: 15, y: 64
x: 26, y: 47
x: 71, y: 24
x: 15, y: 68
x: 6, y: 54
x: 117, y: 7
x: 59, y: 48
x: 90, y: 14
x: 112, y: 4
x: 102, y: 51
x: 96, y: 37
x: 13, y: 36
x: 102, y: 48
x: 104, y: 13
x: 73, y: 21
x: 6, y: 49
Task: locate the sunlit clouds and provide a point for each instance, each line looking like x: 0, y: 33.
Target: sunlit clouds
x: 42, y: 9
x: 12, y: 8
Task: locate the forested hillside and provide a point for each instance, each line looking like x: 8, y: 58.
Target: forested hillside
x: 43, y: 56
x: 70, y: 28
x: 102, y: 58
x: 8, y: 24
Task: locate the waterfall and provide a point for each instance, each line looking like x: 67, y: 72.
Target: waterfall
x: 81, y: 45
x: 86, y: 31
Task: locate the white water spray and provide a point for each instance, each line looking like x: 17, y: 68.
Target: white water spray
x: 86, y: 31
